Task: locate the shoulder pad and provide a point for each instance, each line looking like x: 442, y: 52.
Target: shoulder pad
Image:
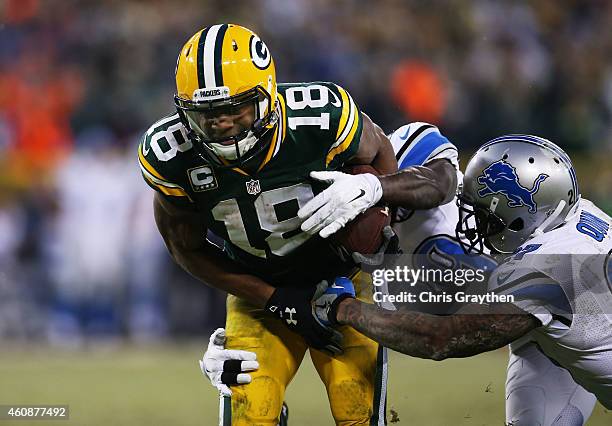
x: 331, y: 110
x: 418, y: 143
x: 158, y: 147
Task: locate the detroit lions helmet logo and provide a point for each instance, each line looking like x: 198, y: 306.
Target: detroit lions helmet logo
x: 501, y: 178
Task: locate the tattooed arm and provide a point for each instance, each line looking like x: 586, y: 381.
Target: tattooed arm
x: 473, y: 330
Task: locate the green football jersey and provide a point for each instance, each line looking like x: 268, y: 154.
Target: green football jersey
x: 256, y: 214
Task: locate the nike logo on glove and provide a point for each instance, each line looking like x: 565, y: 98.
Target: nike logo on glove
x: 361, y: 194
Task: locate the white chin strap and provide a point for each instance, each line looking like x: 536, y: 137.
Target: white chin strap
x: 549, y: 220
x: 228, y: 152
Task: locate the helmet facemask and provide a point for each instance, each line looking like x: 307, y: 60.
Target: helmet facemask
x: 476, y: 225
x: 236, y: 149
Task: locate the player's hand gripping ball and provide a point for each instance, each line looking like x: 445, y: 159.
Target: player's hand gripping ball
x: 364, y: 234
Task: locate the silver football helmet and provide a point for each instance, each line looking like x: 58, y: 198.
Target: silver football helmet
x: 513, y: 186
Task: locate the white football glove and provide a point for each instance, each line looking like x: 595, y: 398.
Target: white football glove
x: 225, y: 366
x: 347, y: 196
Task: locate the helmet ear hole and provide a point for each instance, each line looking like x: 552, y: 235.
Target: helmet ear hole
x: 517, y: 224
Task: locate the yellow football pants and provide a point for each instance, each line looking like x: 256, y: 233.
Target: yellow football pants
x: 355, y: 381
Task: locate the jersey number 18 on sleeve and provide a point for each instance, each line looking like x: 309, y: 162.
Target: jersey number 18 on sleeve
x: 310, y: 101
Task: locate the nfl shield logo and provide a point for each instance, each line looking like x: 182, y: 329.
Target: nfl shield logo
x: 253, y: 187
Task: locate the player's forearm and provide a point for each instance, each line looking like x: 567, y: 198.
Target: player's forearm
x: 435, y: 337
x: 420, y: 187
x: 183, y: 234
x: 214, y: 271
x: 411, y: 333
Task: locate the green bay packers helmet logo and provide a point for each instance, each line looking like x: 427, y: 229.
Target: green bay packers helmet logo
x: 259, y: 53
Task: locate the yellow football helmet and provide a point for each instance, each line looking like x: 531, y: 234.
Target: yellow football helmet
x: 220, y: 71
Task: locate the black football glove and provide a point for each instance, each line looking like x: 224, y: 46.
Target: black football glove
x: 294, y: 307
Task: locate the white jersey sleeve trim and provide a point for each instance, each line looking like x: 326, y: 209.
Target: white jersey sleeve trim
x: 417, y: 143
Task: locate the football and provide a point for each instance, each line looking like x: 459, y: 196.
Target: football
x: 364, y: 233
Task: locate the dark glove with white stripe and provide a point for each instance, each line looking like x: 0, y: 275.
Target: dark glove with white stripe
x: 294, y: 307
x: 225, y: 367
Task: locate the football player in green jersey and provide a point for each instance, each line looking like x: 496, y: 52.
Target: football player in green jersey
x: 247, y: 192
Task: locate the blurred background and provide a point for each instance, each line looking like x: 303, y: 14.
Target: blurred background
x: 81, y: 263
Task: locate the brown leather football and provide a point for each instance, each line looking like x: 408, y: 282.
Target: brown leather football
x: 364, y: 233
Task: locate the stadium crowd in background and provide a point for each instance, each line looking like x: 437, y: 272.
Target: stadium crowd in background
x: 79, y: 82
